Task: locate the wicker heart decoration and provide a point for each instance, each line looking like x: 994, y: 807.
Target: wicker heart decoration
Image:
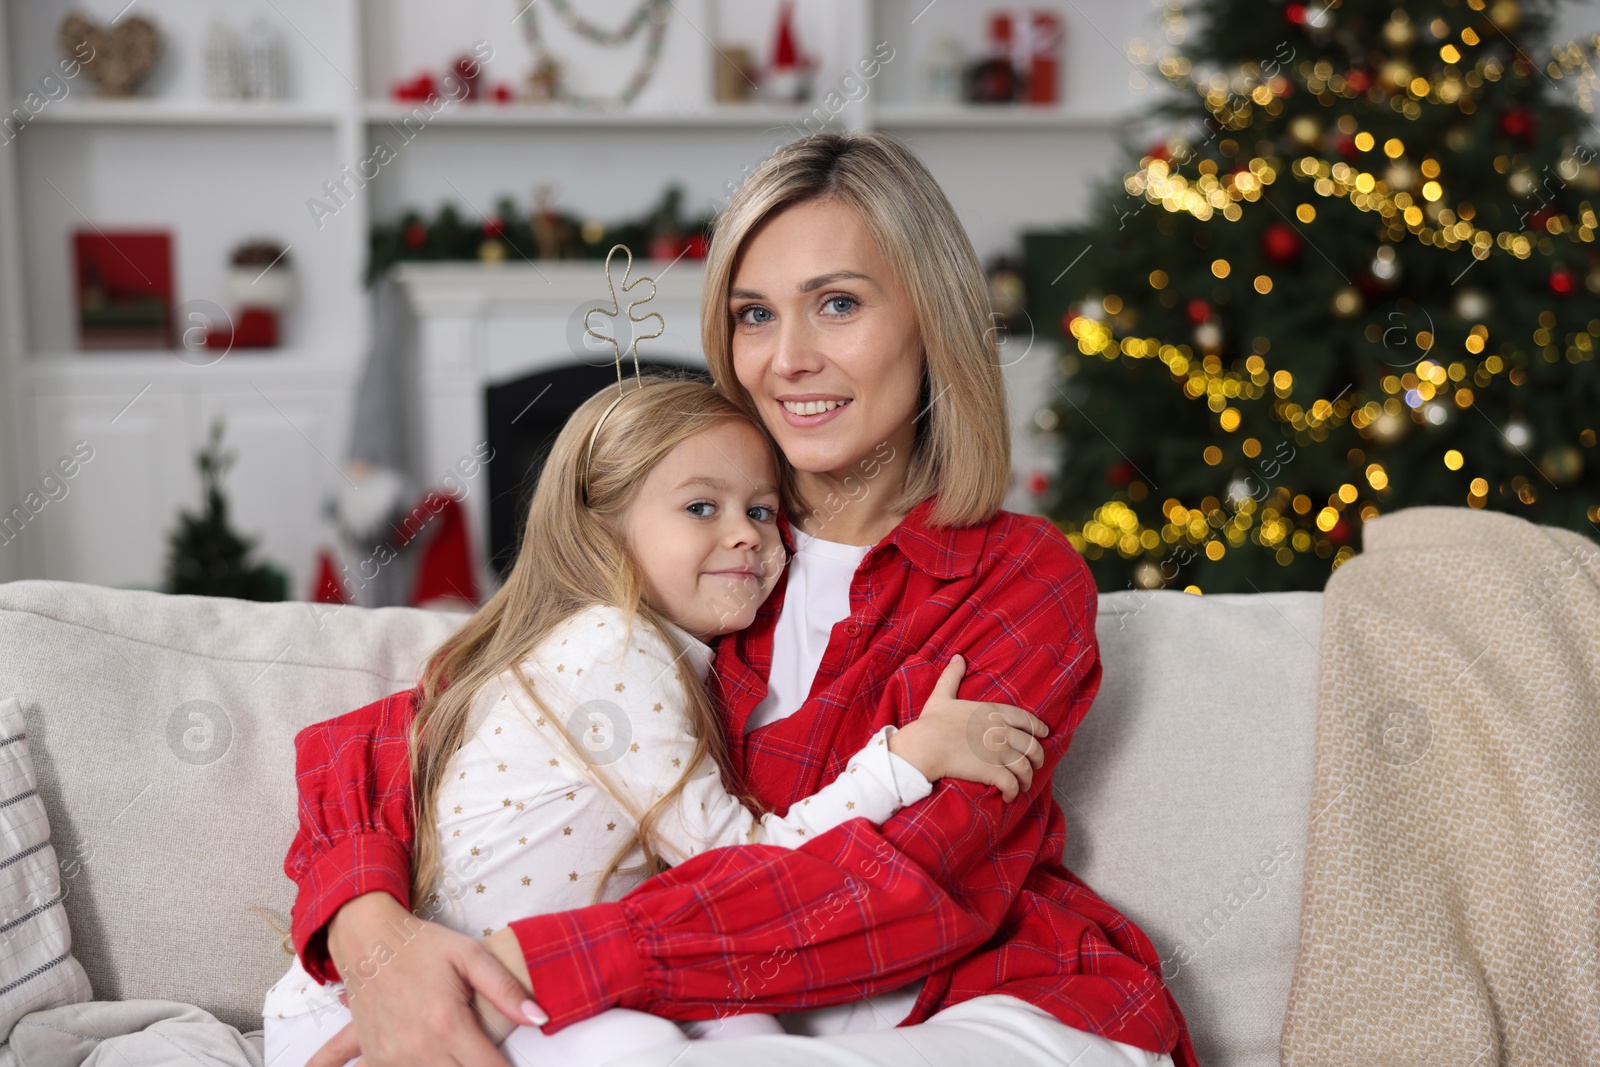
x: 119, y: 59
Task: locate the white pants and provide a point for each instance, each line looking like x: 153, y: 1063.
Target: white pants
x: 990, y: 1029
x: 290, y: 1042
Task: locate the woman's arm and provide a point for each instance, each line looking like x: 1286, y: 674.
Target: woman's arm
x: 854, y: 912
x: 354, y: 837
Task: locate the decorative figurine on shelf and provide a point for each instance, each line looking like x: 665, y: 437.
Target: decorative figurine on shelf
x: 544, y: 81
x: 260, y: 286
x: 787, y: 79
x: 120, y: 59
x: 468, y: 69
x: 222, y: 70
x: 414, y: 89
x: 733, y: 74
x: 945, y: 63
x: 552, y: 234
x: 1043, y: 57
x: 995, y: 80
x: 261, y: 63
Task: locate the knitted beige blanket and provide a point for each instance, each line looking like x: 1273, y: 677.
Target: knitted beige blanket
x: 1452, y: 890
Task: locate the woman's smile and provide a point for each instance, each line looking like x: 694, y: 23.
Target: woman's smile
x: 811, y: 409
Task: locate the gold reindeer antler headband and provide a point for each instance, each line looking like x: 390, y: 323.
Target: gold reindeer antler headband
x: 633, y: 348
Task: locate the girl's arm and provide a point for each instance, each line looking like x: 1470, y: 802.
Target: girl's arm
x: 628, y: 715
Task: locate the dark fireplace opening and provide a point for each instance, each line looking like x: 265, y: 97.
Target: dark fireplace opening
x: 523, y: 417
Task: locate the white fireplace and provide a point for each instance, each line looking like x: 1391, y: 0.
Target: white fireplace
x: 482, y: 325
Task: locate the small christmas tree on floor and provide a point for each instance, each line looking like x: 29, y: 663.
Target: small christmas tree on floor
x: 204, y: 555
x: 1368, y: 280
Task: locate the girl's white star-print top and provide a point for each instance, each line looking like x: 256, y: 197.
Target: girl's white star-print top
x: 524, y: 825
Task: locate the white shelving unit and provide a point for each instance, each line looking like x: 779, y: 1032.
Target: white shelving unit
x: 214, y: 174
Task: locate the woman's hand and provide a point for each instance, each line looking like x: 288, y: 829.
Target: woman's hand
x: 976, y: 741
x: 503, y: 946
x: 411, y: 986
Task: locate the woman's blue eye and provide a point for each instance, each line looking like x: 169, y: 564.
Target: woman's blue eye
x: 753, y: 307
x: 847, y: 299
x: 768, y: 514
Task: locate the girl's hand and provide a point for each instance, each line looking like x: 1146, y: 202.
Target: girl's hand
x: 411, y: 985
x: 974, y: 740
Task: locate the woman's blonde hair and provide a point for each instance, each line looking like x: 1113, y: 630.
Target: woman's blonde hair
x: 572, y: 556
x: 962, y: 451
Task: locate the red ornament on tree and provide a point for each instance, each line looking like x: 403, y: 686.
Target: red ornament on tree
x: 1159, y: 151
x: 416, y: 235
x: 696, y: 246
x: 1358, y: 80
x: 1517, y: 122
x: 1296, y: 14
x: 1199, y: 311
x: 1067, y: 317
x: 493, y: 226
x: 1345, y: 145
x: 1340, y: 532
x: 1038, y: 482
x: 1561, y: 282
x: 1281, y: 243
x: 1119, y: 473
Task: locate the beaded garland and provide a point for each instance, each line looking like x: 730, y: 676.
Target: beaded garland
x: 654, y: 12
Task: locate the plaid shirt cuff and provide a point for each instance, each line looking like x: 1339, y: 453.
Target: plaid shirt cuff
x: 582, y: 962
x: 353, y: 864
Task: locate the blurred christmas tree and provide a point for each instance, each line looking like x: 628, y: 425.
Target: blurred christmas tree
x: 204, y: 556
x: 1368, y: 281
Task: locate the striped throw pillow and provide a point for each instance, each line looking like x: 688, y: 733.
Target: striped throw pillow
x: 37, y: 970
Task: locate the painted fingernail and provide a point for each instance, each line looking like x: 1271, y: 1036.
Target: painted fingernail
x: 531, y: 1012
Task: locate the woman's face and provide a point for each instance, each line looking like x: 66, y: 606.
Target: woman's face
x: 824, y: 339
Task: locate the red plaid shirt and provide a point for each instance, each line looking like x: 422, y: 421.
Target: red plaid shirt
x: 960, y: 887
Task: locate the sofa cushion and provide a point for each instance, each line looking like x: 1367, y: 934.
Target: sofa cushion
x: 163, y: 732
x: 1186, y: 792
x: 37, y: 970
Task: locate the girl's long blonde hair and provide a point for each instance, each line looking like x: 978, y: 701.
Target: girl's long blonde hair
x: 572, y: 556
x: 962, y: 450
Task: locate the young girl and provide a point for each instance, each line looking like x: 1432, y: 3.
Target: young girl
x: 566, y: 728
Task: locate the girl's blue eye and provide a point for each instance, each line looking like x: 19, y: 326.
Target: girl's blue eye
x: 699, y: 504
x: 768, y: 514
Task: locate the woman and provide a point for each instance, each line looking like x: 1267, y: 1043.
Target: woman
x: 845, y: 308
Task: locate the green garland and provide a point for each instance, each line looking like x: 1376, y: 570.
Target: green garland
x: 510, y: 235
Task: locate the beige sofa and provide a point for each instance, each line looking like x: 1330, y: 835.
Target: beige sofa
x: 162, y: 733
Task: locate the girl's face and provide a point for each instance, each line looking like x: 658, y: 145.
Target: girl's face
x: 824, y: 339
x: 704, y: 530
